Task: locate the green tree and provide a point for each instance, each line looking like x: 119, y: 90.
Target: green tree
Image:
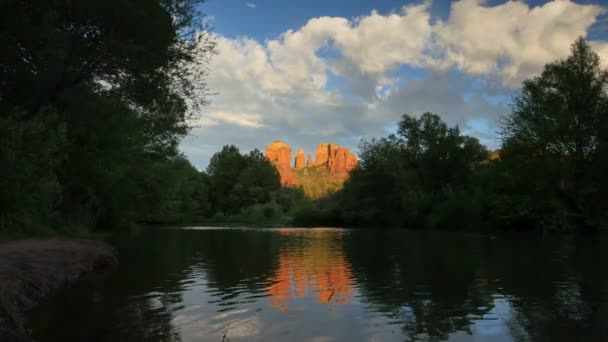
x: 238, y: 181
x: 415, y: 179
x: 554, y: 140
x: 118, y: 77
x: 257, y: 181
x: 29, y: 188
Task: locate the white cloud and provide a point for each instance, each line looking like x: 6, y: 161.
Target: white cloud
x: 334, y: 78
x: 513, y: 40
x: 238, y: 119
x: 250, y: 4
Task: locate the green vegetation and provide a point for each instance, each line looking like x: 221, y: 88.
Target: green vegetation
x: 93, y: 107
x: 549, y: 175
x: 316, y: 182
x: 247, y: 189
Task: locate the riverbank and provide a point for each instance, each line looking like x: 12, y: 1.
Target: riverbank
x: 31, y: 268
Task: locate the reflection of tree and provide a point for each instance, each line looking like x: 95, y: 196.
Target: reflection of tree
x: 438, y: 284
x: 136, y: 301
x: 433, y: 286
x: 558, y: 289
x: 312, y: 264
x: 237, y: 259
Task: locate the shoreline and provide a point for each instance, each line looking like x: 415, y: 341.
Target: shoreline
x: 31, y: 269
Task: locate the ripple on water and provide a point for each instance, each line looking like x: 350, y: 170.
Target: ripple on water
x: 337, y: 285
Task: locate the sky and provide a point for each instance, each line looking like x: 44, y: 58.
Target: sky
x: 308, y: 72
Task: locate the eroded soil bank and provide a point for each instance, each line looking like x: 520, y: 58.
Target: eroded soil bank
x: 30, y: 269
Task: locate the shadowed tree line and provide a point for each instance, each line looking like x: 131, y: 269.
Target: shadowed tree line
x: 93, y: 105
x: 548, y: 173
x: 94, y: 100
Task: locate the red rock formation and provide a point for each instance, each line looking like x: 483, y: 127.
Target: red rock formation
x: 347, y: 162
x: 279, y: 153
x: 322, y: 154
x: 300, y: 163
x: 335, y: 160
x: 351, y: 161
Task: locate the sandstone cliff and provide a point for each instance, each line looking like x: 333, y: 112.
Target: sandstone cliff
x: 322, y: 154
x: 279, y: 153
x: 299, y: 164
x: 338, y: 159
x: 325, y: 175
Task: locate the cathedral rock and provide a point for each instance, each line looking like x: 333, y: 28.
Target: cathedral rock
x: 279, y: 153
x: 325, y: 175
x: 336, y: 158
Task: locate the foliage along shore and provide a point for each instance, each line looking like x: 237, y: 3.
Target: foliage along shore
x: 93, y: 107
x: 546, y: 176
x: 30, y: 269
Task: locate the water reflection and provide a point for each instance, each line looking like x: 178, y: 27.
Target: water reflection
x: 337, y: 285
x: 314, y: 265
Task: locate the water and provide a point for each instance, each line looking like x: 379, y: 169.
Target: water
x: 337, y: 285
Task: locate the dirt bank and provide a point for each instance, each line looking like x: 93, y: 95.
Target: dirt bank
x: 30, y: 269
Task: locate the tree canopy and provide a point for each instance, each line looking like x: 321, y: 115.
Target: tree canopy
x: 109, y: 84
x: 96, y: 96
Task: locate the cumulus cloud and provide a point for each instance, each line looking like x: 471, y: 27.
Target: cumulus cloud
x: 337, y: 79
x: 513, y: 40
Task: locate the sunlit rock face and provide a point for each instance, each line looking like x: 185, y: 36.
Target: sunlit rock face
x: 279, y: 153
x: 340, y: 159
x: 322, y: 154
x: 299, y: 164
x: 321, y: 177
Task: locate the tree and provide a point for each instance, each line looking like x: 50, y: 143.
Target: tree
x: 258, y: 180
x: 120, y: 90
x: 238, y: 181
x: 557, y: 129
x: 414, y: 179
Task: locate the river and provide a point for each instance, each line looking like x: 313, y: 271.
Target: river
x: 321, y: 285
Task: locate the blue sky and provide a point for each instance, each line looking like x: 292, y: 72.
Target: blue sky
x: 269, y: 18
x: 313, y: 71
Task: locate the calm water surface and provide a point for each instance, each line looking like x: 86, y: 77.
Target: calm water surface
x: 337, y: 285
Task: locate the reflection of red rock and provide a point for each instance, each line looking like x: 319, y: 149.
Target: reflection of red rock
x: 316, y: 270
